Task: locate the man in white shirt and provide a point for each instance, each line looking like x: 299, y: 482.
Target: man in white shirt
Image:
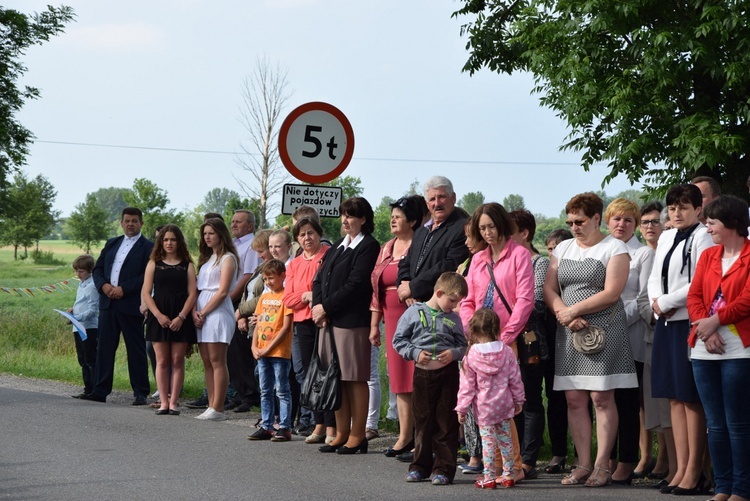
x: 239, y: 355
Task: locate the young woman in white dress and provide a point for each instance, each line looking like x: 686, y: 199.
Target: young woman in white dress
x: 213, y: 314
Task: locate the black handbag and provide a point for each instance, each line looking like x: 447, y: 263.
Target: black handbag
x: 321, y: 389
x: 527, y: 343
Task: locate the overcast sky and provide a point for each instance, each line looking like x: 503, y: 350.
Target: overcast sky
x: 168, y: 73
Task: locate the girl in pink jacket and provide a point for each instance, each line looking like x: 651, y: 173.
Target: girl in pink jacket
x: 491, y: 382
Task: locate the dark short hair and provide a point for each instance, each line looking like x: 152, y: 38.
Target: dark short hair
x: 312, y: 221
x: 712, y: 183
x: 84, y: 262
x: 590, y: 203
x: 558, y: 235
x: 731, y: 211
x: 524, y: 220
x: 273, y: 267
x: 359, y: 207
x: 212, y: 215
x: 685, y: 194
x: 305, y: 211
x: 132, y: 211
x: 651, y: 207
x: 412, y: 209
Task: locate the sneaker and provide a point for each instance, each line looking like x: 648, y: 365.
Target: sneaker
x: 261, y: 434
x: 155, y: 394
x: 213, y: 415
x: 282, y: 435
x: 205, y: 414
x: 200, y: 403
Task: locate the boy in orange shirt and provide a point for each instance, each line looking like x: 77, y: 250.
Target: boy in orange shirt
x: 272, y: 348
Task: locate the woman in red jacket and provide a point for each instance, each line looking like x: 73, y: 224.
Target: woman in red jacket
x: 719, y: 308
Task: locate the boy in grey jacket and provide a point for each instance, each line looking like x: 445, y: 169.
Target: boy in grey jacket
x: 432, y: 335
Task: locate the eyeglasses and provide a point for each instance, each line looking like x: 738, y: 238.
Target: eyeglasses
x: 650, y: 222
x: 577, y: 222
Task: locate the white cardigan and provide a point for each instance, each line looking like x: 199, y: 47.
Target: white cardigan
x: 676, y: 297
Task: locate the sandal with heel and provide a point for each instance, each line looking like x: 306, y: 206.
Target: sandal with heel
x: 594, y: 481
x: 572, y: 479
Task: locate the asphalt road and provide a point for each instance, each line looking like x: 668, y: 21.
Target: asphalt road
x: 55, y: 447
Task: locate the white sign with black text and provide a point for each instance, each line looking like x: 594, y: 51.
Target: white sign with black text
x: 325, y: 199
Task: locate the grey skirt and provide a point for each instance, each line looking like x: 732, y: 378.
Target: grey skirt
x: 353, y: 347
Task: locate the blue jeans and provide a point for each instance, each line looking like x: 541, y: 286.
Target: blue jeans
x: 722, y: 385
x: 273, y: 372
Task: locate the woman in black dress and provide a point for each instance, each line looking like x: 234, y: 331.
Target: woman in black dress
x: 171, y: 275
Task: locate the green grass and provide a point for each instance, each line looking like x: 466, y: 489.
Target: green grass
x: 36, y: 341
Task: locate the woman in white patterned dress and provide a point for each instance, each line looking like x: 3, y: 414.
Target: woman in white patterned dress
x: 213, y: 314
x: 584, y: 282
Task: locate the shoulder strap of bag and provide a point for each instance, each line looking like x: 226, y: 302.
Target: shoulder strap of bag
x: 499, y: 293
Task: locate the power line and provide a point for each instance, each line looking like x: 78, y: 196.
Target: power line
x: 366, y: 159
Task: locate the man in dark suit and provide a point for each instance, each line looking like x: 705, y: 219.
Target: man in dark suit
x: 118, y: 276
x: 437, y: 247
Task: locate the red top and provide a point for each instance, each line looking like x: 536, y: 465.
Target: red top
x: 299, y: 277
x: 735, y: 285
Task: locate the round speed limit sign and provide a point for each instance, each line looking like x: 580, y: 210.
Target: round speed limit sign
x: 316, y: 142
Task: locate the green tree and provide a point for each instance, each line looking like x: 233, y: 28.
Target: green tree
x: 382, y: 231
x: 88, y: 224
x: 217, y: 199
x: 19, y: 32
x: 657, y: 90
x: 470, y: 201
x: 153, y: 202
x: 514, y: 202
x: 112, y: 201
x: 29, y: 215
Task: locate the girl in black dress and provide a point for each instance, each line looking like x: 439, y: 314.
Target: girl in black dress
x: 170, y: 274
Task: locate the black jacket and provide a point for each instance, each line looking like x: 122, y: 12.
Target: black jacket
x: 342, y: 285
x: 447, y: 250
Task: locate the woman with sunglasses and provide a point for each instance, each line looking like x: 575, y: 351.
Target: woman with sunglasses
x: 584, y: 283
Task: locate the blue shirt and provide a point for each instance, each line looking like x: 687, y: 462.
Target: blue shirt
x: 86, y: 307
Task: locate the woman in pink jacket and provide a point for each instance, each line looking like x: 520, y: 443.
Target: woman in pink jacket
x: 508, y: 291
x: 491, y: 383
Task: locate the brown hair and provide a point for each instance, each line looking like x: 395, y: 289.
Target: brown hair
x: 484, y: 323
x: 451, y: 282
x: 589, y: 203
x: 500, y: 218
x: 183, y: 254
x: 226, y: 246
x: 84, y: 262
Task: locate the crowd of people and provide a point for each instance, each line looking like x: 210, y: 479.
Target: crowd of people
x: 627, y: 339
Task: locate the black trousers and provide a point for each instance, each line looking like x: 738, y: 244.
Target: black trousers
x: 628, y: 401
x: 86, y: 352
x: 557, y: 407
x: 303, y: 345
x: 111, y: 323
x: 241, y: 365
x: 530, y: 422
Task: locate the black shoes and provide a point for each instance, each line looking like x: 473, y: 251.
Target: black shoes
x: 406, y: 457
x: 92, y: 397
x: 555, y: 467
x: 530, y: 474
x: 625, y: 481
x: 390, y: 452
x: 161, y: 412
x: 361, y: 448
x: 200, y: 403
x: 139, y: 400
x: 243, y: 407
x: 328, y: 448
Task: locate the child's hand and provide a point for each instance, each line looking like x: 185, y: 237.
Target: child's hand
x: 517, y: 408
x: 252, y: 320
x: 242, y: 324
x: 461, y: 418
x: 256, y: 353
x: 445, y: 357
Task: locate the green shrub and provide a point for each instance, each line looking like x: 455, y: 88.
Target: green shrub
x: 47, y: 258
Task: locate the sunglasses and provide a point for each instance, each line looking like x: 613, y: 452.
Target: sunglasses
x: 650, y: 222
x: 577, y: 222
